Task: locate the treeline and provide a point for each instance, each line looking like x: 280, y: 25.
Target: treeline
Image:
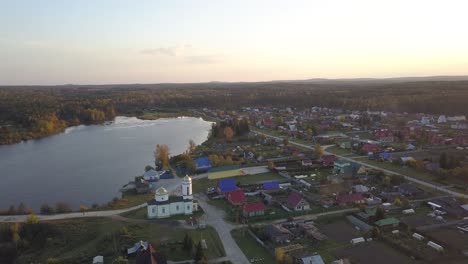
x: 32, y: 112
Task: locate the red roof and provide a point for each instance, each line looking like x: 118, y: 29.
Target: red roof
x: 236, y: 197
x: 254, y: 207
x: 349, y: 198
x: 371, y: 148
x: 328, y: 160
x: 294, y: 199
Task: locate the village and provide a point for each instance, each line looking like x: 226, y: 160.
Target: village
x: 312, y: 186
x: 332, y: 186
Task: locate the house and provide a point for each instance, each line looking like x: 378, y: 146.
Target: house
x: 442, y: 119
x: 271, y: 185
x: 278, y: 234
x: 350, y: 198
x: 203, y: 164
x: 370, y: 148
x: 385, y: 156
x: 163, y: 205
x: 360, y: 188
x: 297, y: 202
x: 226, y: 185
x: 410, y: 147
x: 345, y: 145
x: 450, y: 205
x: 253, y: 209
x: 387, y: 222
x: 151, y: 175
x: 328, y: 160
x: 384, y: 135
x: 410, y: 190
x: 149, y: 255
x: 339, y: 165
x: 236, y: 197
x: 307, y: 259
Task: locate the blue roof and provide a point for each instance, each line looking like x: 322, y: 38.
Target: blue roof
x: 203, y: 163
x: 227, y: 185
x: 271, y: 185
x: 150, y: 173
x: 385, y: 155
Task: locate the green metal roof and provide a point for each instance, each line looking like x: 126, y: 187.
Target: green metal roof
x: 387, y: 221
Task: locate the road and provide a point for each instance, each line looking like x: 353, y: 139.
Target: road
x: 170, y: 184
x: 418, y: 181
x: 215, y: 218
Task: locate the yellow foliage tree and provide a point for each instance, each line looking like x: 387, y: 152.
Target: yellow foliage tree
x: 228, y: 133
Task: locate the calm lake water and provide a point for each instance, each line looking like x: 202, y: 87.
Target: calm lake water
x: 88, y: 164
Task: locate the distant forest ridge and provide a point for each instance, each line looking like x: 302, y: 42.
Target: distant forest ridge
x: 35, y: 111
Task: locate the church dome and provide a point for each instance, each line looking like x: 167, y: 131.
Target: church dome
x: 161, y: 191
x: 187, y: 179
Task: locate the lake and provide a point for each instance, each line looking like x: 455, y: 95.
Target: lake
x: 89, y: 164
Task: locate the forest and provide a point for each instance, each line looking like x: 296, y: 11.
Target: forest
x: 28, y: 112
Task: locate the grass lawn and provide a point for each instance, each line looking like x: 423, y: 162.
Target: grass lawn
x: 403, y: 170
x: 250, y: 247
x: 338, y: 150
x: 79, y: 240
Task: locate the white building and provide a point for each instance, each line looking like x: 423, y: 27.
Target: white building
x: 163, y: 205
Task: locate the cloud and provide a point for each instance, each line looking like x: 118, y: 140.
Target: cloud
x: 169, y: 51
x: 203, y: 59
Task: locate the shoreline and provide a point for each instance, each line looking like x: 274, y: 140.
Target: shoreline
x: 144, y: 116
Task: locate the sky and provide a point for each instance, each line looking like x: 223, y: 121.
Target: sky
x: 51, y: 42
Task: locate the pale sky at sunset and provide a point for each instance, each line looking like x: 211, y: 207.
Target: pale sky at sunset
x: 113, y: 41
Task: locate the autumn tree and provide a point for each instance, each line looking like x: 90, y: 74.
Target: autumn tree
x: 83, y: 209
x: 318, y: 151
x: 285, y: 141
x: 32, y: 219
x: 228, y: 133
x: 271, y: 165
x: 161, y: 156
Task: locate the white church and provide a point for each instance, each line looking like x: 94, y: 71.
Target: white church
x: 165, y: 205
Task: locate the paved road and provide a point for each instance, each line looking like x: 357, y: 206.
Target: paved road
x: 424, y: 183
x: 170, y: 184
x: 215, y: 217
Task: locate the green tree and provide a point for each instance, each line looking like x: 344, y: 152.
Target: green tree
x: 443, y: 162
x: 379, y: 214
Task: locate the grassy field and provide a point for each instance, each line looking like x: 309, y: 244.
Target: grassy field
x: 251, y: 248
x: 79, y: 240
